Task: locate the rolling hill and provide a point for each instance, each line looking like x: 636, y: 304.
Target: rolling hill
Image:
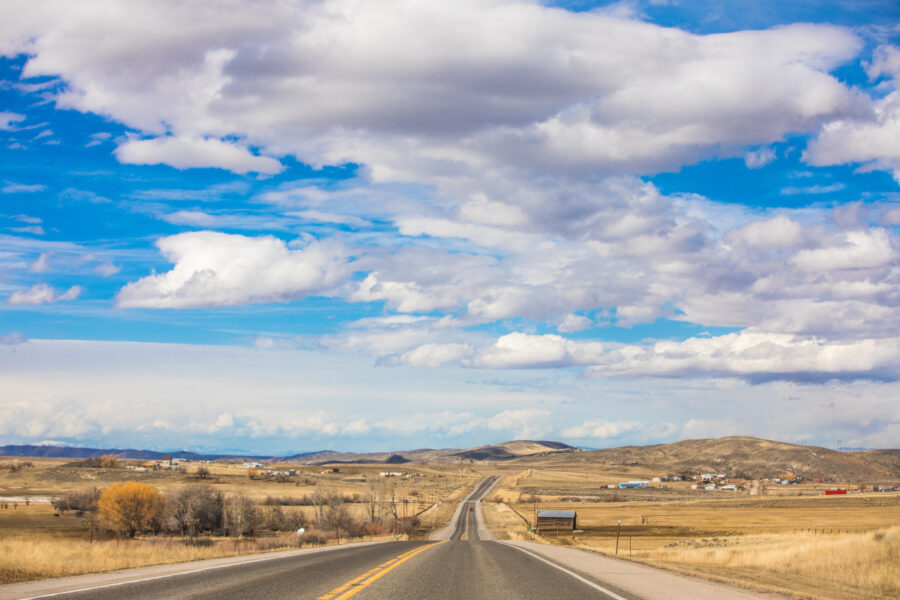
x: 734, y: 456
x: 747, y: 456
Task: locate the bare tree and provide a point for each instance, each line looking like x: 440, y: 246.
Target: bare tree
x: 194, y: 508
x: 241, y: 515
x: 335, y: 515
x: 374, y: 498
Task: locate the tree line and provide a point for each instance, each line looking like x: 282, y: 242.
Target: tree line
x: 132, y: 508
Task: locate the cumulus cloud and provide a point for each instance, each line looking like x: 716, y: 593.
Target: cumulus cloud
x: 42, y: 293
x: 860, y: 250
x: 615, y: 95
x: 188, y: 153
x: 517, y: 350
x: 756, y: 356
x: 218, y: 269
x: 872, y: 139
x: 601, y: 429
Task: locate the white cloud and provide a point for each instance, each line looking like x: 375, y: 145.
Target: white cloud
x: 22, y: 188
x: 615, y: 95
x: 778, y: 232
x: 316, y: 216
x: 759, y: 158
x: 189, y: 153
x: 812, y: 189
x: 860, y: 250
x: 872, y: 139
x: 107, y: 269
x: 601, y: 429
x: 525, y: 423
x: 434, y: 355
x: 519, y: 350
x: 7, y: 120
x: 572, y: 322
x: 42, y: 264
x: 32, y: 229
x: 42, y: 293
x: 218, y: 269
x: 12, y: 339
x: 755, y: 355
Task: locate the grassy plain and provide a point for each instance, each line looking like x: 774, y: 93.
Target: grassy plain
x: 804, y: 544
x: 38, y: 542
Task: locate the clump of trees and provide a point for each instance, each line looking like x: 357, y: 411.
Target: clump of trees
x: 81, y: 502
x: 107, y: 461
x: 193, y: 509
x: 130, y: 508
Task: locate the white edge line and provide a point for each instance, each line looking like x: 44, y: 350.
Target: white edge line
x: 167, y: 575
x: 609, y: 593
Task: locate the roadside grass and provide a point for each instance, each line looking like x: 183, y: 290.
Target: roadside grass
x: 836, y: 566
x: 22, y: 559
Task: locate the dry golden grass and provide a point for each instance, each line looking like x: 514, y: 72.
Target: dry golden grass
x: 35, y: 558
x: 838, y: 566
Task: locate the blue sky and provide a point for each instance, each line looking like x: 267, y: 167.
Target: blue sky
x: 425, y: 225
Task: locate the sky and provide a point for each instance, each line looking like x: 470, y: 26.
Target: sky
x: 283, y: 226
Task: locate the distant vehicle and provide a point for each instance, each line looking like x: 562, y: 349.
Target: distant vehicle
x: 470, y: 509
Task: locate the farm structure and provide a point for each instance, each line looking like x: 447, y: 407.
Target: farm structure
x: 556, y: 520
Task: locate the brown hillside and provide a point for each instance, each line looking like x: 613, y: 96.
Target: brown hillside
x: 745, y: 456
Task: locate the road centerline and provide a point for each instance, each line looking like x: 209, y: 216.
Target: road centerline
x: 359, y: 583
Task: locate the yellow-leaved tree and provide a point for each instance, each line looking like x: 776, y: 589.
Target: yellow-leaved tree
x: 130, y: 508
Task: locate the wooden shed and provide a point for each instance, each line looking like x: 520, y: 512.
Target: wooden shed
x: 556, y: 520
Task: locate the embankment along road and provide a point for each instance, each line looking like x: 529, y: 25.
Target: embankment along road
x: 466, y: 564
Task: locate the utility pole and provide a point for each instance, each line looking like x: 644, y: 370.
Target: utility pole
x: 618, y: 530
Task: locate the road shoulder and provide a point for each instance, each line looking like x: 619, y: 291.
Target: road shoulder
x: 640, y: 581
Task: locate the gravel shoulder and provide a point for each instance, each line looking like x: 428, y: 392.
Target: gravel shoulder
x: 639, y: 581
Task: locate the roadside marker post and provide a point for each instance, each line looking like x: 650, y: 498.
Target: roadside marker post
x: 618, y: 530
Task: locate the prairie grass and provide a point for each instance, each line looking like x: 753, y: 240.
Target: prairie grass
x: 854, y: 565
x: 22, y: 558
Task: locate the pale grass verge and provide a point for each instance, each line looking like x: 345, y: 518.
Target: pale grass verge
x: 856, y: 565
x: 23, y: 559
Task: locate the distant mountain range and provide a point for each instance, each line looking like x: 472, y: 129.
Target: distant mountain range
x: 55, y: 451
x: 491, y: 452
x: 736, y: 455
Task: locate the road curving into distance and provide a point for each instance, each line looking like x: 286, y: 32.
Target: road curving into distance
x: 464, y: 565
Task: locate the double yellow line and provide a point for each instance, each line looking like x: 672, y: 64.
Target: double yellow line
x: 368, y: 578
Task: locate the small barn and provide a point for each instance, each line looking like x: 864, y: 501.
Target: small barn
x: 556, y: 520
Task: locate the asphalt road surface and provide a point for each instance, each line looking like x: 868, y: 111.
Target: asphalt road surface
x: 463, y: 567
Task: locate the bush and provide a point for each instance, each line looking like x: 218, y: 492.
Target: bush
x: 130, y: 508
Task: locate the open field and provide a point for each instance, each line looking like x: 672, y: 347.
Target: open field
x: 811, y: 546
x: 36, y: 541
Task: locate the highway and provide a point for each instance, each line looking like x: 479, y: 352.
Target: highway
x: 463, y: 566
